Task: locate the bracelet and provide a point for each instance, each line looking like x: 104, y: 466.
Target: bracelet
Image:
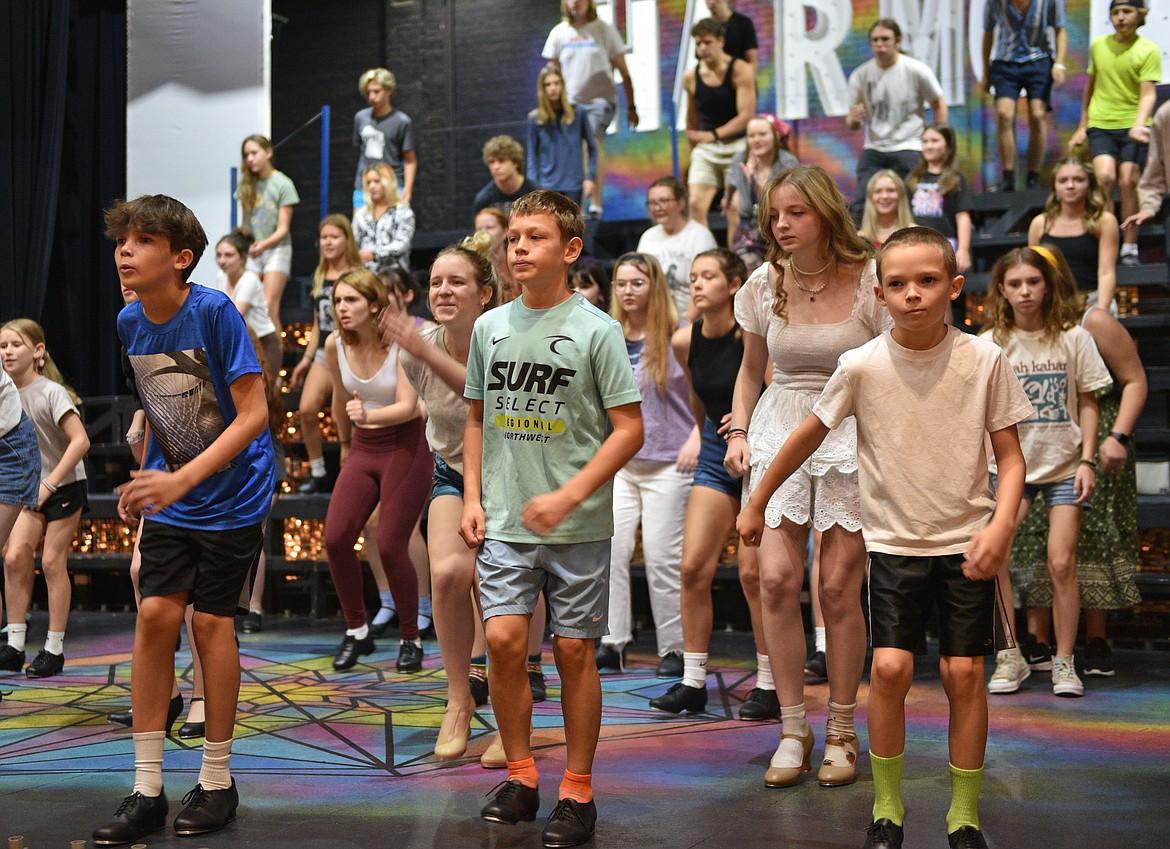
x: 734, y: 435
x: 715, y: 134
x: 49, y: 486
x: 1092, y: 464
x: 732, y: 430
x: 1059, y: 65
x: 133, y: 437
x: 1123, y: 438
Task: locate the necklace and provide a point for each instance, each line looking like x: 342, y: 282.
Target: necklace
x: 797, y: 274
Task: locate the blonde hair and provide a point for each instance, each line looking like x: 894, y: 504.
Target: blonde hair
x: 1096, y: 203
x: 478, y: 251
x: 246, y: 192
x: 545, y: 112
x: 869, y: 221
x: 34, y: 335
x: 367, y: 284
x: 1062, y: 306
x: 815, y: 188
x: 353, y: 259
x: 661, y: 316
x: 381, y: 76
x: 389, y: 183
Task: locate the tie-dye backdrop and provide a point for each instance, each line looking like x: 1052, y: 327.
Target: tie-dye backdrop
x: 634, y: 159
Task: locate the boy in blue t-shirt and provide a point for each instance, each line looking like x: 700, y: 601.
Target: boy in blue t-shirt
x: 555, y: 413
x: 204, y: 493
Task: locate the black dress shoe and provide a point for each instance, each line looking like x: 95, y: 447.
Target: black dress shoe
x: 479, y: 690
x: 313, y: 485
x: 378, y: 629
x: 135, y: 818
x: 671, y: 666
x: 192, y: 729
x: 681, y: 697
x: 537, y: 685
x: 350, y: 650
x: 570, y: 824
x: 967, y: 837
x: 760, y: 705
x: 207, y: 810
x: 126, y: 717
x: 410, y: 657
x: 46, y: 664
x: 610, y: 658
x: 514, y: 803
x: 11, y: 660
x: 883, y: 834
x: 816, y: 670
x: 253, y: 622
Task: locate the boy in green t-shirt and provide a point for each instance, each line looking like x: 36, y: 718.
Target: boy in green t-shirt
x: 555, y: 413
x: 1124, y: 69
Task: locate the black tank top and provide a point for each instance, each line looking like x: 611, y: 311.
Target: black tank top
x: 716, y: 105
x: 714, y: 364
x: 1081, y: 252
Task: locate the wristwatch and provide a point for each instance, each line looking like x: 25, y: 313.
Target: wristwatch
x: 1120, y: 437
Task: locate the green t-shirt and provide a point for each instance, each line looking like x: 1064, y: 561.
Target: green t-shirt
x: 273, y: 193
x: 546, y: 379
x: 1118, y: 71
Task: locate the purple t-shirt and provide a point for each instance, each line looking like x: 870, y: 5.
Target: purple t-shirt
x: 666, y: 412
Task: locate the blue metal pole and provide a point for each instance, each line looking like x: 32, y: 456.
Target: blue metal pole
x: 235, y: 173
x: 324, y: 162
x: 672, y: 118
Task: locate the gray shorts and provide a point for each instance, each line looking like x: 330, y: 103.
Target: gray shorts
x: 576, y: 575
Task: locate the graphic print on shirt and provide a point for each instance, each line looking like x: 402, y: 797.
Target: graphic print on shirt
x: 927, y: 201
x: 373, y: 142
x: 180, y: 402
x: 531, y: 396
x: 1046, y: 385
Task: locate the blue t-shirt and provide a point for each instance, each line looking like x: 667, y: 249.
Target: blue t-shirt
x: 184, y: 370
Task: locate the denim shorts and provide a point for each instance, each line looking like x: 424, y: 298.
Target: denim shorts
x: 20, y: 465
x: 1010, y: 79
x: 1055, y: 493
x: 709, y: 471
x: 445, y: 481
x: 1118, y: 144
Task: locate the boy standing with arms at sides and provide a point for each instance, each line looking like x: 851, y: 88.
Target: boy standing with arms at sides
x: 1124, y: 70
x: 547, y: 377
x: 925, y: 395
x: 204, y: 491
x: 383, y: 134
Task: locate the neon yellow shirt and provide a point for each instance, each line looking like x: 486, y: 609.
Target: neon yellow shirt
x: 1118, y: 71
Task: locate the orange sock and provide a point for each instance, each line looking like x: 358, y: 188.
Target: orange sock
x: 579, y: 788
x: 524, y: 771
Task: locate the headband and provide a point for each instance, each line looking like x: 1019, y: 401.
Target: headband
x: 1047, y: 254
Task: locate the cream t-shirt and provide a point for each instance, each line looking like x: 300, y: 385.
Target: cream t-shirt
x: 1052, y: 373
x: 922, y: 420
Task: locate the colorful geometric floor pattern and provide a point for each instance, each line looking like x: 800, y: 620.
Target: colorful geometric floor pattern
x: 330, y: 759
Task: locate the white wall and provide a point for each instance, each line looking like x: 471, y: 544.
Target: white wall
x: 198, y: 82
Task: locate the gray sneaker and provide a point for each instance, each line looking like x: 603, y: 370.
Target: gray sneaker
x: 1065, y: 681
x: 1011, y: 670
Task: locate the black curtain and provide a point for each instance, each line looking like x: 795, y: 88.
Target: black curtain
x: 34, y: 45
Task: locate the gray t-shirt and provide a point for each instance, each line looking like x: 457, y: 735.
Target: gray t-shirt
x: 383, y: 139
x: 546, y: 379
x: 271, y: 194
x: 894, y: 100
x: 46, y: 402
x: 10, y: 410
x: 446, y: 409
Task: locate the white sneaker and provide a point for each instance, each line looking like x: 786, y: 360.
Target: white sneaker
x: 1011, y: 670
x: 1065, y: 681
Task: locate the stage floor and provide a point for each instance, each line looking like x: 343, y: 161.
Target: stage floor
x: 339, y: 760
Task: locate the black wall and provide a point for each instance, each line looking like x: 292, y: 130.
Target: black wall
x: 466, y: 71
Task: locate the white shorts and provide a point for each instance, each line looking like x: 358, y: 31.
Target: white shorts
x: 274, y: 259
x: 710, y: 161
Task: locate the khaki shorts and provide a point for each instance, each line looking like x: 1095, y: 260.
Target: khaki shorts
x: 710, y: 161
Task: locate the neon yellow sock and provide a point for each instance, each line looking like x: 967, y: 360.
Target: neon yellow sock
x: 887, y: 787
x: 965, y: 787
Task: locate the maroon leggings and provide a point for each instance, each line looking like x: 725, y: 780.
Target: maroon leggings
x: 390, y: 466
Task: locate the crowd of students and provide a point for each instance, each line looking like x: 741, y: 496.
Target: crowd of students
x: 553, y: 406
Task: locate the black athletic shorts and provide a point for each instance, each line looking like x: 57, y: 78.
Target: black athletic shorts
x: 69, y: 498
x: 904, y: 589
x: 212, y: 567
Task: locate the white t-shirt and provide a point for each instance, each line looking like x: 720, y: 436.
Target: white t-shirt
x: 10, y: 410
x: 586, y: 54
x: 249, y: 292
x: 676, y: 253
x: 922, y: 417
x: 46, y: 402
x: 894, y: 101
x: 1052, y: 373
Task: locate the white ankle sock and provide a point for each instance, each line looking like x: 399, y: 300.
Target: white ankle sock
x: 695, y: 669
x: 764, y: 679
x: 790, y: 752
x: 55, y: 642
x: 360, y: 633
x: 148, y: 757
x: 820, y: 637
x: 1129, y: 248
x: 214, y: 773
x: 16, y: 636
x: 317, y: 467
